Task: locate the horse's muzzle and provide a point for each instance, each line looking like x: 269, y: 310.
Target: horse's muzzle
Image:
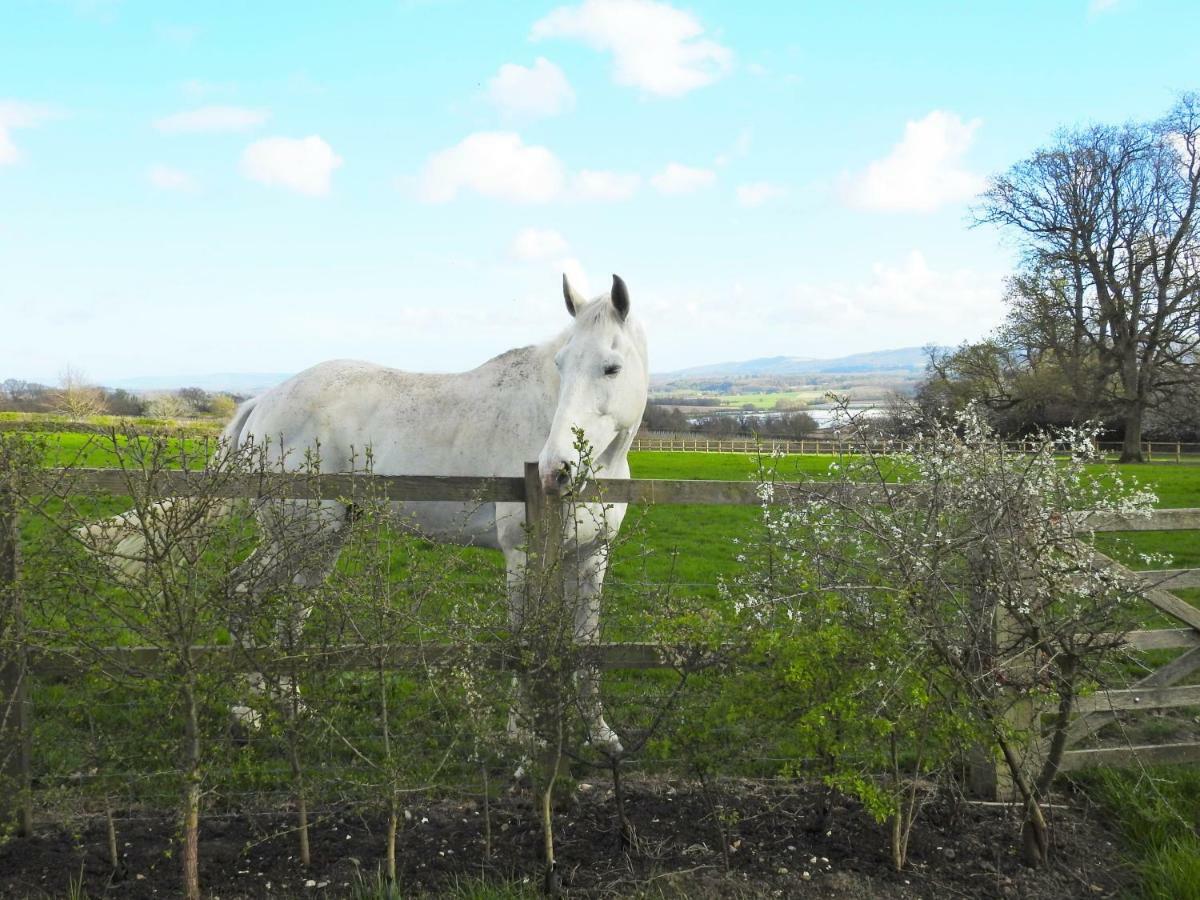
x: 557, y: 480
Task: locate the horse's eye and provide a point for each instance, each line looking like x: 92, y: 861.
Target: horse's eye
x: 612, y: 369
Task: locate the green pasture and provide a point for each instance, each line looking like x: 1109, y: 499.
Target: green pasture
x: 767, y: 401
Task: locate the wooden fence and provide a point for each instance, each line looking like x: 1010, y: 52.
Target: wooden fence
x: 1156, y: 691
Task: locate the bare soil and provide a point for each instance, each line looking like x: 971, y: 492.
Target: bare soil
x: 781, y: 840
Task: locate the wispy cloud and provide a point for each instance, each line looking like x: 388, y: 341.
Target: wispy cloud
x: 177, y: 35
x: 536, y: 91
x: 166, y: 178
x: 677, y: 178
x: 596, y: 184
x: 756, y: 193
x: 212, y: 119
x: 656, y: 47
x: 15, y: 114
x: 537, y: 243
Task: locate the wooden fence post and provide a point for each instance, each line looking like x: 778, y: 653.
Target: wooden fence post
x: 15, y: 780
x: 544, y: 519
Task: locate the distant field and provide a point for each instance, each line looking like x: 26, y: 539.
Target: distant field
x: 764, y: 401
x: 768, y: 401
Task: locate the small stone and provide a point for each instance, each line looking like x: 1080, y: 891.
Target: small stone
x: 807, y: 876
x: 310, y: 883
x: 949, y: 853
x: 782, y: 870
x: 141, y: 877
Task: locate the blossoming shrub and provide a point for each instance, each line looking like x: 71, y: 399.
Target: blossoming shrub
x: 918, y: 604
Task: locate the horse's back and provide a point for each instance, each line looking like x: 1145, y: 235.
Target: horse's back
x: 340, y: 411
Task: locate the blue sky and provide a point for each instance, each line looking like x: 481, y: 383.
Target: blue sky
x: 190, y: 188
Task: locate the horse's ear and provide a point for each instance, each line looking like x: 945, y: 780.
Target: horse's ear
x: 620, y: 297
x: 574, y: 302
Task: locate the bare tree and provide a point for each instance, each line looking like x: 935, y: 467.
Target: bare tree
x: 161, y: 575
x: 76, y: 396
x: 1107, y: 222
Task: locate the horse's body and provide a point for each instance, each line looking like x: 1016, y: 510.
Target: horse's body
x: 521, y: 406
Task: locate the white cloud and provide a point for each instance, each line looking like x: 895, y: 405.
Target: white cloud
x: 909, y: 297
x: 304, y: 165
x: 923, y: 171
x: 542, y: 90
x: 680, y: 179
x: 211, y: 119
x: 13, y: 115
x: 537, y: 243
x: 1097, y: 7
x: 496, y: 164
x: 593, y: 184
x: 655, y: 46
x: 167, y: 179
x: 756, y: 193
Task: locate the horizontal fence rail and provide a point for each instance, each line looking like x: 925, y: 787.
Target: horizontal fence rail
x: 687, y: 492
x: 135, y: 662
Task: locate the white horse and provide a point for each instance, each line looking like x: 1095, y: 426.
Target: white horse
x: 525, y: 404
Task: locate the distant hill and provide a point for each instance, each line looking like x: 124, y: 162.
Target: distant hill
x: 233, y: 382
x: 906, y: 360
x: 903, y: 359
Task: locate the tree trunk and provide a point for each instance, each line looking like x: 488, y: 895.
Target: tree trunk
x: 1131, y: 447
x: 191, y: 792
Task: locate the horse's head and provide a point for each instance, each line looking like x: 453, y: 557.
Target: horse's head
x: 603, y: 378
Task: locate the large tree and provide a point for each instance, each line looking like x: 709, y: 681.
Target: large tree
x: 1107, y: 222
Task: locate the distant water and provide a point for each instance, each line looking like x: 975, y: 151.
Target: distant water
x: 825, y: 418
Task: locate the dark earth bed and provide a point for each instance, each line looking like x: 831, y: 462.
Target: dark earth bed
x: 780, y: 846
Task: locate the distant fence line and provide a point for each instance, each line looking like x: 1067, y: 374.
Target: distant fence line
x: 1162, y: 451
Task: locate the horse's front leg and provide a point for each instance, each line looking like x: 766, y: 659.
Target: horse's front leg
x: 590, y: 580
